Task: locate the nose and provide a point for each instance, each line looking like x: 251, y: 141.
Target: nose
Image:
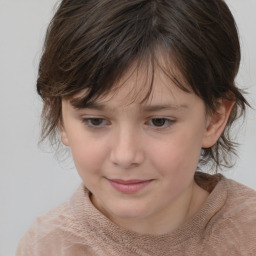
x: 127, y: 149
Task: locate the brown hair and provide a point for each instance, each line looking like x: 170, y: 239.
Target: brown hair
x: 91, y: 43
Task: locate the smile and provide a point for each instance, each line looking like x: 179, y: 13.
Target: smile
x: 129, y: 186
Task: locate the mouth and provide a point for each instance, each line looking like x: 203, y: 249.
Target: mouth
x: 129, y: 186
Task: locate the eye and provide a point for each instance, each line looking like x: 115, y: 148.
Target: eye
x: 160, y: 122
x: 95, y: 122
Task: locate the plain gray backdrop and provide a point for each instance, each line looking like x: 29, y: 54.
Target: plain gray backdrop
x: 32, y: 181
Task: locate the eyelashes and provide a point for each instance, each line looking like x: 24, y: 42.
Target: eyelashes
x: 160, y: 122
x: 95, y: 122
x: 155, y: 122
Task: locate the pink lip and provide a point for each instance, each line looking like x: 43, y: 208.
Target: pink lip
x: 129, y: 186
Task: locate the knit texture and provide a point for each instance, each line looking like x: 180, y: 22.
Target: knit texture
x: 225, y: 225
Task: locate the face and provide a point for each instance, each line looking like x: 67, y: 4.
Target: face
x: 137, y: 159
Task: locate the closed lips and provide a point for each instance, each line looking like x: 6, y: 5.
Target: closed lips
x: 129, y: 186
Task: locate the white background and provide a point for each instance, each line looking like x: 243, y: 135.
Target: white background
x: 32, y: 181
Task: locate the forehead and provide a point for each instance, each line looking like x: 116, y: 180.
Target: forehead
x: 142, y: 87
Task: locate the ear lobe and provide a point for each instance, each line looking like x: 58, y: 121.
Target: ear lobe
x: 217, y: 122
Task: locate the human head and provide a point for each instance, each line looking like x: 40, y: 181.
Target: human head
x: 90, y: 44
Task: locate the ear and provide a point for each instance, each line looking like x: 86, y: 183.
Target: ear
x: 216, y: 123
x: 64, y: 136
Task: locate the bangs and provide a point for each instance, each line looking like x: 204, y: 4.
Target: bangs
x: 143, y: 72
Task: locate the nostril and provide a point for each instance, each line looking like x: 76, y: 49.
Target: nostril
x: 126, y: 166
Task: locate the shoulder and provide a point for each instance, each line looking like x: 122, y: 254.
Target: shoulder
x: 235, y: 223
x: 51, y: 232
x: 241, y: 202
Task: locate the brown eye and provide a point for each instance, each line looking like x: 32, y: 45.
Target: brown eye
x: 159, y: 122
x: 95, y: 121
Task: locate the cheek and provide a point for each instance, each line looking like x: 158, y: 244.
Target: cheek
x: 179, y: 154
x: 88, y: 154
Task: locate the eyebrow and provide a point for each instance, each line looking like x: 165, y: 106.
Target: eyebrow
x: 92, y: 105
x: 80, y: 104
x: 153, y: 108
x: 147, y: 108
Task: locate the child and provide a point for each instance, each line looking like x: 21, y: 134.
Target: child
x: 143, y: 93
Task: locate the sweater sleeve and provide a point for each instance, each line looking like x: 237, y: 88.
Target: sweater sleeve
x: 36, y: 241
x: 26, y: 246
x: 40, y: 240
x: 56, y: 233
x: 47, y: 239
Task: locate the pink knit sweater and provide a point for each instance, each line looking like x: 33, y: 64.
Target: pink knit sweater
x: 225, y: 225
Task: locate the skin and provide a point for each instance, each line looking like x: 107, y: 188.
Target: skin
x: 157, y: 141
